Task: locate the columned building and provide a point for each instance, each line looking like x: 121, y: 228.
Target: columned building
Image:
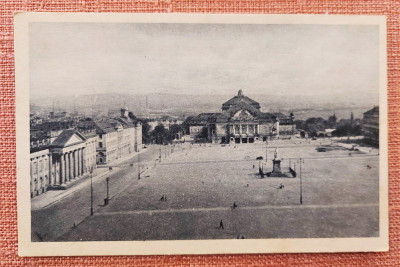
x: 68, y: 157
x: 241, y: 121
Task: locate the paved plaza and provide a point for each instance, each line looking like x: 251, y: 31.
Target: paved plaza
x: 201, y: 182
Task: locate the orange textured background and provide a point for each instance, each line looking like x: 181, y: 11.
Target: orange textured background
x: 8, y: 199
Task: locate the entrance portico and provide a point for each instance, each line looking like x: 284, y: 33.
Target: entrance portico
x: 68, y: 157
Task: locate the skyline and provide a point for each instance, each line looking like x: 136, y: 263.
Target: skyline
x: 94, y: 58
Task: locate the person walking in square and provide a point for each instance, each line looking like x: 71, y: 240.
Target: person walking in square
x: 234, y: 206
x: 221, y: 225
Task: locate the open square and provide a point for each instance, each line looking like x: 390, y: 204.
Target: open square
x: 201, y: 183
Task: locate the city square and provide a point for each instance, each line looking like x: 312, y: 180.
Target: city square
x: 202, y: 181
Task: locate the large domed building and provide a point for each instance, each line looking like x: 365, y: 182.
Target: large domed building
x: 241, y: 121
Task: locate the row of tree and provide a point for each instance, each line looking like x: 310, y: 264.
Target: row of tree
x: 345, y: 127
x: 160, y: 134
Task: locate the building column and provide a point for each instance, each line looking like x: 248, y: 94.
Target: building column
x: 71, y: 163
x: 70, y: 170
x: 75, y: 163
x: 55, y: 173
x: 62, y: 169
x: 82, y: 160
x: 67, y: 167
x: 78, y: 152
x: 50, y: 170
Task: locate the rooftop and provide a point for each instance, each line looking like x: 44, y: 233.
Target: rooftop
x: 240, y: 98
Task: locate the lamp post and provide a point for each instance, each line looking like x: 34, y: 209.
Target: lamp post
x: 108, y: 196
x: 301, y: 182
x: 138, y: 166
x: 91, y: 191
x: 160, y: 153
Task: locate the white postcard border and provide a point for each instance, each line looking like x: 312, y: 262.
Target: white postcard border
x: 28, y: 248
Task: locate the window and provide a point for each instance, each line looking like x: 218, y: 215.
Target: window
x: 101, y: 144
x: 237, y: 129
x: 251, y: 129
x: 244, y: 129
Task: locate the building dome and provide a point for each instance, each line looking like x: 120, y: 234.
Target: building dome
x: 240, y: 99
x: 124, y: 111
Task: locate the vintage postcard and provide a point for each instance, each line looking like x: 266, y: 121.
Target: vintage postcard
x: 144, y: 134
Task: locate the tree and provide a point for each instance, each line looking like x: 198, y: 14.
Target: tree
x: 132, y: 116
x: 160, y: 135
x: 203, y: 134
x: 174, y: 129
x: 346, y: 130
x: 146, y: 132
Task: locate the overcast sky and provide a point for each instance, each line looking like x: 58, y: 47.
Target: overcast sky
x: 88, y: 58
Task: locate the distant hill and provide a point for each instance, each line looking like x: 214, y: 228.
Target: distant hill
x: 184, y: 105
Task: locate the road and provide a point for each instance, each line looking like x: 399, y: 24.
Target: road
x: 59, y: 216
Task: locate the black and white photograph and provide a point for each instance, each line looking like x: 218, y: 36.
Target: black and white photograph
x: 194, y: 134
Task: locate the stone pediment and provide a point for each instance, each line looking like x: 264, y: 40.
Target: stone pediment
x: 74, y: 140
x: 243, y: 114
x: 68, y: 138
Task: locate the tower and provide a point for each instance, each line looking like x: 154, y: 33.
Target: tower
x: 124, y: 112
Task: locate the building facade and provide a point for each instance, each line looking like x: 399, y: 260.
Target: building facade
x: 370, y: 126
x: 88, y: 130
x: 117, y: 137
x: 241, y: 121
x: 40, y: 166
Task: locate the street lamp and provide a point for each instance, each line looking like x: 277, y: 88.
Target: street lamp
x: 301, y: 182
x: 138, y: 166
x: 91, y: 191
x: 160, y: 153
x: 108, y: 196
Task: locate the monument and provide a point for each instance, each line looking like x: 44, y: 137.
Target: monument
x: 276, y: 168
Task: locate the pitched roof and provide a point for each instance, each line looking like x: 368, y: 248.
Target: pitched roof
x: 66, y: 139
x: 372, y: 111
x: 126, y: 122
x: 107, y: 125
x: 240, y: 98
